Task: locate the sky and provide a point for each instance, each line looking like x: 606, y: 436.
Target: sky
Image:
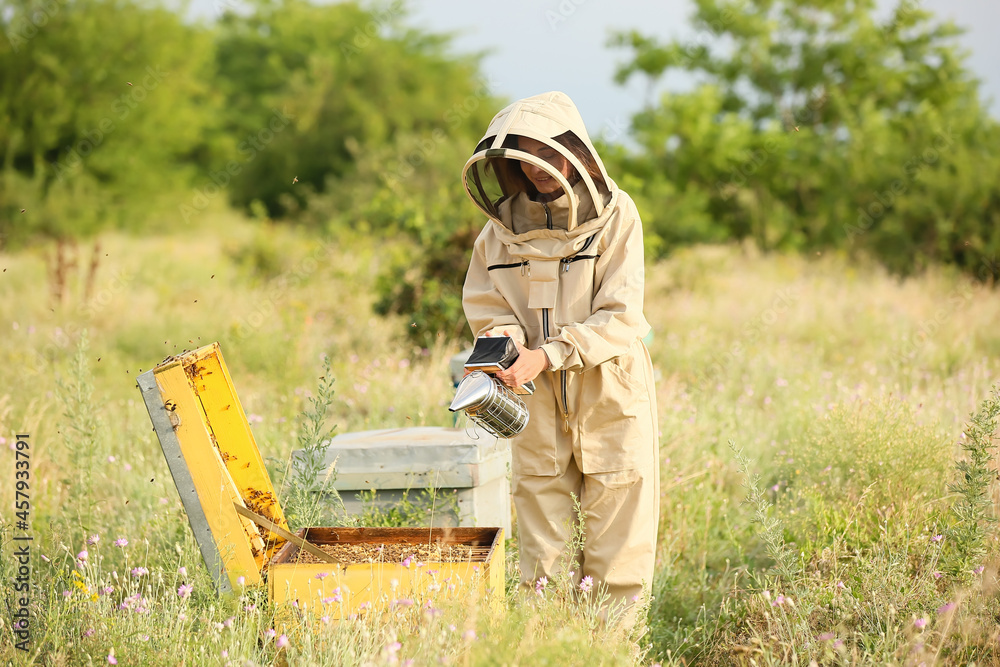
x: 540, y: 45
x: 535, y: 46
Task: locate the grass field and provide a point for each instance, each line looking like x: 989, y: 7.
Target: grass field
x: 824, y: 497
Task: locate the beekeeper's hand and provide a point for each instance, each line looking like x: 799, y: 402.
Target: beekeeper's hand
x: 527, y: 367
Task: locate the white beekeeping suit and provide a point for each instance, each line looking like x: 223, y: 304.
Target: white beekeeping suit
x: 559, y: 267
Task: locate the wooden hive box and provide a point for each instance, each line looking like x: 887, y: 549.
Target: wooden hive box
x: 216, y: 467
x: 416, y: 575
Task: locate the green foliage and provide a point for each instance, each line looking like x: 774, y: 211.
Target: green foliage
x: 406, y: 511
x: 83, y: 445
x: 352, y: 81
x: 381, y: 117
x: 839, y: 478
x: 769, y: 527
x: 817, y: 125
x: 426, y: 289
x: 105, y: 107
x: 308, y: 491
x: 975, y: 476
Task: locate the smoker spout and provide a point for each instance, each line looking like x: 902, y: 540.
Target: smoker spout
x: 472, y: 391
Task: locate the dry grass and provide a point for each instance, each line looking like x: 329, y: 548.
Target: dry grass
x: 846, y: 388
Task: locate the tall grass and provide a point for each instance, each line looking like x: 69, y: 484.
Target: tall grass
x: 868, y: 537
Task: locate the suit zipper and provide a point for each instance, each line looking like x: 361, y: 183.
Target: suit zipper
x: 562, y: 374
x: 564, y: 402
x: 548, y: 216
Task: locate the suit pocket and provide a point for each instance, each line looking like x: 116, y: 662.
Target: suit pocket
x: 615, y: 424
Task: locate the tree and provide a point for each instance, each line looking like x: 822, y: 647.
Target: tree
x: 355, y: 82
x: 104, y: 106
x: 382, y: 119
x: 818, y: 125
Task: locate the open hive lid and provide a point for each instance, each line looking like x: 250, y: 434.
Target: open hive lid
x: 214, y: 461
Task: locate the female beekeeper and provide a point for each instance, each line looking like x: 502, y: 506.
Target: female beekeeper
x: 559, y: 267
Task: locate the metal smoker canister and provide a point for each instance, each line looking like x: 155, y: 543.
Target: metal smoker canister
x: 490, y: 404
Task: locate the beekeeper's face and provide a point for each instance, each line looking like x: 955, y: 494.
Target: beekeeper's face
x: 541, y: 179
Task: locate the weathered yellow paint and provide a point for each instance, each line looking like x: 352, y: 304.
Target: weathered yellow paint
x: 212, y: 482
x: 234, y: 440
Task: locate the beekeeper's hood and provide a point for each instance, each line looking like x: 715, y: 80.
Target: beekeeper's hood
x: 494, y: 176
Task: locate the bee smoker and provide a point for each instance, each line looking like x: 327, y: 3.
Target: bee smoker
x: 486, y: 400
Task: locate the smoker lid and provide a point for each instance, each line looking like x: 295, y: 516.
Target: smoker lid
x: 214, y: 461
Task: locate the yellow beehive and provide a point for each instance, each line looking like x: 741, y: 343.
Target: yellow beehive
x: 356, y: 587
x: 216, y: 466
